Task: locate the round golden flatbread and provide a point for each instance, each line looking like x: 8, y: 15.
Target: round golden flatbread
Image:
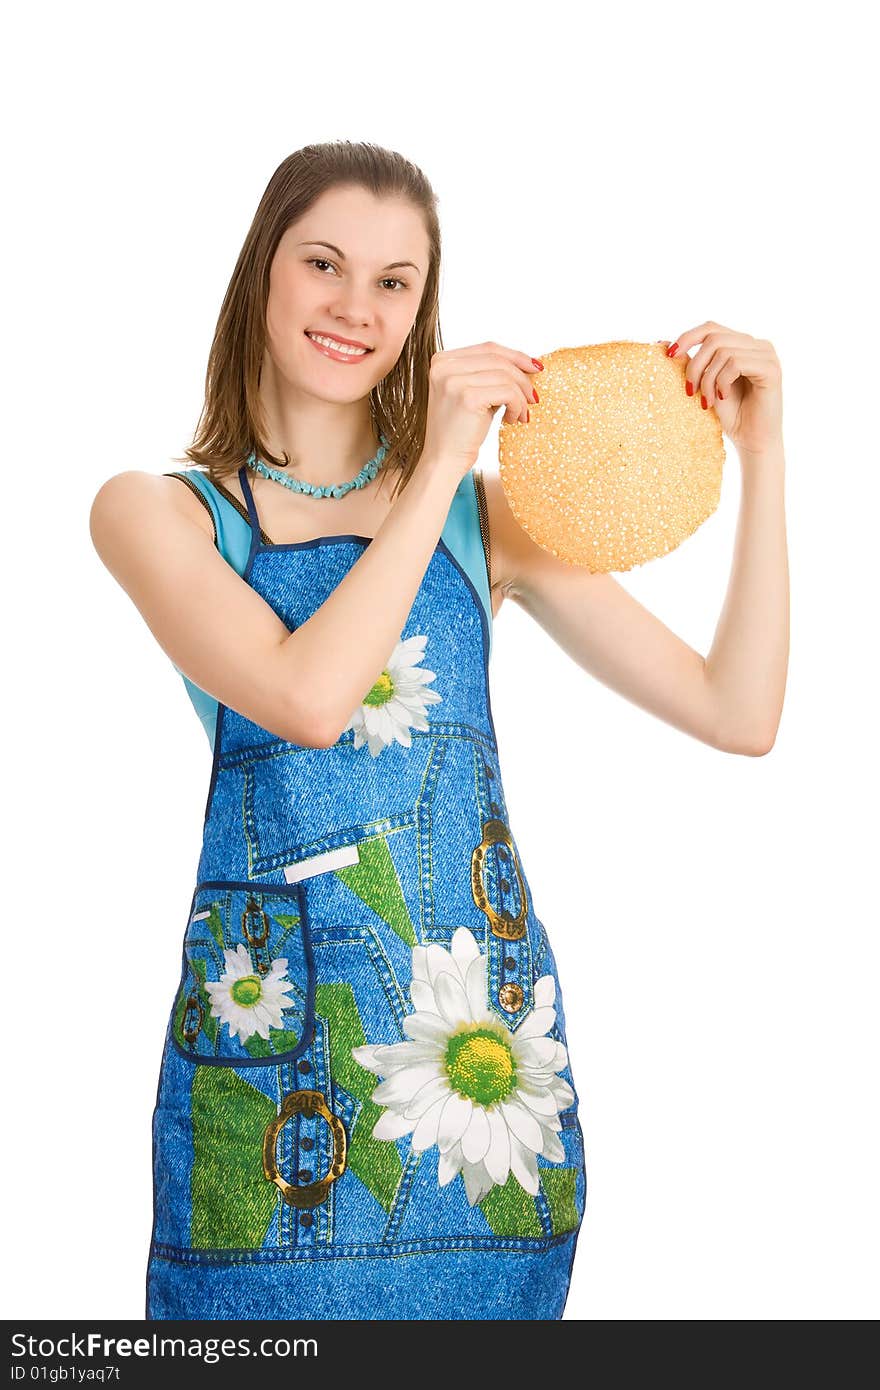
x: 617, y: 465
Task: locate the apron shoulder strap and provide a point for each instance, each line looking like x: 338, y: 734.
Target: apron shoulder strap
x: 249, y: 499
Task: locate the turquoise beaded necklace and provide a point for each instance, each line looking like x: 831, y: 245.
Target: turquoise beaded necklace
x: 366, y: 475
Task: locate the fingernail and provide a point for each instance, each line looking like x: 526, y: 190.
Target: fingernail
x: 704, y: 403
x: 539, y: 365
x: 720, y: 394
x: 670, y: 352
x: 689, y: 387
x: 528, y: 417
x: 535, y: 394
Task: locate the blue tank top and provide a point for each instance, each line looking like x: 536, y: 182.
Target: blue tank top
x: 465, y: 532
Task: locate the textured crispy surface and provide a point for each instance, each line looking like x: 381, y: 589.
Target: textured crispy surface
x: 617, y: 465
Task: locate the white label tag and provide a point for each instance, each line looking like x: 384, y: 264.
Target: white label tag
x: 321, y: 863
x: 200, y: 916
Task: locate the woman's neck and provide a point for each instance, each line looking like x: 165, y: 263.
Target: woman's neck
x: 328, y: 442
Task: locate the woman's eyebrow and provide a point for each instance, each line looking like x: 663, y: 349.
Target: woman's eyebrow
x: 392, y: 265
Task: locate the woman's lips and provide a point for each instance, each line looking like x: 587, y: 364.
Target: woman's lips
x: 338, y: 356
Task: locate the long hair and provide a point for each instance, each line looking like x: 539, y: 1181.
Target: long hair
x: 232, y: 422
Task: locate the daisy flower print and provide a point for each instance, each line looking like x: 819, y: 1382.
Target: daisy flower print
x: 397, y: 701
x: 246, y: 1001
x: 487, y: 1096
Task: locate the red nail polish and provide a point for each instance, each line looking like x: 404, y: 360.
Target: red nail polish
x: 539, y: 365
x: 671, y: 351
x: 535, y: 394
x: 704, y: 403
x: 528, y: 417
x: 720, y: 394
x: 689, y: 387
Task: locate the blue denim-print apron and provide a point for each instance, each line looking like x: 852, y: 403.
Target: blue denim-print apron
x: 365, y: 1107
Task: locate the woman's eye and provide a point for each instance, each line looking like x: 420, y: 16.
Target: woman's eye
x: 388, y: 280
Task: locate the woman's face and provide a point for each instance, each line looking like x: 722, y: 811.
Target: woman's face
x: 363, y: 283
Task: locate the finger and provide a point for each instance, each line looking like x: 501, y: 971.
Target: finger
x: 735, y: 362
x: 520, y: 359
x: 685, y: 341
x: 725, y: 379
x: 708, y: 385
x: 523, y: 360
x: 506, y: 375
x: 491, y: 362
x: 696, y: 366
x: 489, y: 396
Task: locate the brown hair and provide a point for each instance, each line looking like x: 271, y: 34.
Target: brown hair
x: 232, y: 422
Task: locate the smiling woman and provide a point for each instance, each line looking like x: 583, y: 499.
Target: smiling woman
x: 315, y: 299
x: 365, y: 1104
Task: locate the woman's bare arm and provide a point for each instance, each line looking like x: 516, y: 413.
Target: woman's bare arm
x: 304, y: 685
x: 730, y: 700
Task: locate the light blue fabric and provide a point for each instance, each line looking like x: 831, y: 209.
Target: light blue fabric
x: 461, y: 533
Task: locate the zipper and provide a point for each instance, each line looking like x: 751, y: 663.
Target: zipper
x: 483, y: 513
x: 201, y: 496
x: 239, y: 506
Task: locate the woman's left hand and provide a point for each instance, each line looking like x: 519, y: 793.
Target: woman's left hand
x: 741, y: 378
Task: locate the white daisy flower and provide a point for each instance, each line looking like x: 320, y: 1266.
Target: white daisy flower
x: 246, y: 1002
x: 397, y: 701
x: 486, y: 1095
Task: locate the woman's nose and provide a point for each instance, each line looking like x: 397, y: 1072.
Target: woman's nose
x: 353, y: 308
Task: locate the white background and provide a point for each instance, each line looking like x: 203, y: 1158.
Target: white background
x: 624, y: 171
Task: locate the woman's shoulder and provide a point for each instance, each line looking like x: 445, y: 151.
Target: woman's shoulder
x: 129, y: 513
x: 130, y: 491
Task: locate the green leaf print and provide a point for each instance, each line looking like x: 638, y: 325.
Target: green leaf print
x: 375, y: 1161
x: 214, y: 922
x: 279, y: 1040
x: 374, y: 879
x: 232, y: 1201
x: 560, y: 1187
x: 510, y: 1211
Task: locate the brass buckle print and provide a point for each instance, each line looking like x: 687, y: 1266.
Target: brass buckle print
x: 311, y: 1103
x: 193, y: 1017
x: 502, y: 924
x: 255, y: 930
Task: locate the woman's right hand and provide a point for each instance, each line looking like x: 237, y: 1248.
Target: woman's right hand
x: 467, y: 385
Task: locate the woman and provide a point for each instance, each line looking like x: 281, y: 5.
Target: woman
x: 365, y: 1106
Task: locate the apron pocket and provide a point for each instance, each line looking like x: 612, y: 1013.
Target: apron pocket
x: 247, y: 986
x: 305, y: 803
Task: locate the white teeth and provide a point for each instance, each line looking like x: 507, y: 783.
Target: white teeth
x: 337, y: 347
